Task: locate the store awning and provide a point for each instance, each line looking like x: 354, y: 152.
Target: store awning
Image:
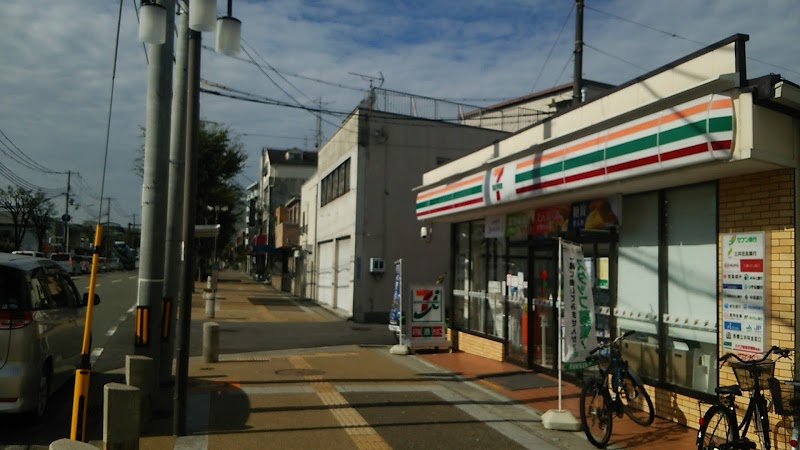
x: 206, y: 231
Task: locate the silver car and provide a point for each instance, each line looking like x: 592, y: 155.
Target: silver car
x: 68, y: 261
x: 41, y: 331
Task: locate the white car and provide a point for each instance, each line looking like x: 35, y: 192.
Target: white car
x: 28, y: 253
x: 41, y: 331
x: 68, y: 261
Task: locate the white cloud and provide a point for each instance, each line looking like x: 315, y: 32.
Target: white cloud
x: 57, y: 61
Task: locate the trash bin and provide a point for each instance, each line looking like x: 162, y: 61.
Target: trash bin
x: 679, y: 367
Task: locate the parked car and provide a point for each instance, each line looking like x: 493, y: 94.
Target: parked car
x: 114, y: 263
x: 103, y: 264
x: 41, y: 332
x: 28, y: 253
x: 85, y: 263
x: 68, y: 261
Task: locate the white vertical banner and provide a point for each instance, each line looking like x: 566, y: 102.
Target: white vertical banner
x: 577, y: 306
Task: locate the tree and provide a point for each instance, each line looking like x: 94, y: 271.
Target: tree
x: 220, y: 159
x: 21, y: 203
x: 41, y: 219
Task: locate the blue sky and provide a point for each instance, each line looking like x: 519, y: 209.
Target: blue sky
x: 55, y: 76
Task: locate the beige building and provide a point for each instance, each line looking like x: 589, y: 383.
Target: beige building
x: 357, y: 214
x: 680, y: 188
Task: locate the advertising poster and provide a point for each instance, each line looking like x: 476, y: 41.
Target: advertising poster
x: 427, y: 321
x: 578, y: 312
x: 395, y: 310
x: 595, y: 214
x: 549, y: 220
x: 495, y: 227
x: 743, y: 295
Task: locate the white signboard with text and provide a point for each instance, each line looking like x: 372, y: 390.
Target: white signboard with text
x: 580, y: 335
x: 743, y: 294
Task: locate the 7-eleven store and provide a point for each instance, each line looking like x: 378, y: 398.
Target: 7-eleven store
x: 678, y: 185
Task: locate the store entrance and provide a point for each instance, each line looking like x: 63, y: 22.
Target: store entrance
x: 533, y: 278
x: 533, y: 286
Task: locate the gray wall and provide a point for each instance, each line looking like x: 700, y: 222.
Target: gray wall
x: 397, y: 150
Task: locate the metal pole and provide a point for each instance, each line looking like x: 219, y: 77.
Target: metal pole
x: 189, y: 206
x: 172, y: 260
x: 577, y: 76
x: 154, y: 192
x: 66, y: 215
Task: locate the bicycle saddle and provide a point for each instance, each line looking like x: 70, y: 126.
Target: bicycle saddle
x: 728, y: 390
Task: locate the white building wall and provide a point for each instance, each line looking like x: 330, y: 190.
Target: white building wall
x: 376, y: 218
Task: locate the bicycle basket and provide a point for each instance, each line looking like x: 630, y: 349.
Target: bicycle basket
x: 746, y: 372
x: 785, y: 396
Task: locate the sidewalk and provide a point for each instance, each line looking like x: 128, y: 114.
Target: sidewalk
x: 356, y: 396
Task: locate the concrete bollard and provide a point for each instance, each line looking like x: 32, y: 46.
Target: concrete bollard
x: 210, y: 296
x: 210, y: 342
x: 120, y: 417
x: 140, y: 373
x: 69, y: 444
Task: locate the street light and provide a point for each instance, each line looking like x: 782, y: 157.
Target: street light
x: 202, y: 17
x: 216, y: 210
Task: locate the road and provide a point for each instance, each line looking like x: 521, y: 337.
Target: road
x: 112, y: 340
x: 112, y: 317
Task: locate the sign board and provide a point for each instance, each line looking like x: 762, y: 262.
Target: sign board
x: 743, y: 294
x: 577, y: 306
x: 427, y: 327
x: 395, y: 310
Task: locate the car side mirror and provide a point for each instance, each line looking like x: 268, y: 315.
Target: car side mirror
x: 86, y: 299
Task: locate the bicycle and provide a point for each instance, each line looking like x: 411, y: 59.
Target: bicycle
x: 598, y: 406
x: 719, y: 428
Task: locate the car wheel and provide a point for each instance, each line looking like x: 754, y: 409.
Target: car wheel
x: 42, y: 395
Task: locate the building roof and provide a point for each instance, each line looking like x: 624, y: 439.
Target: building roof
x: 290, y: 156
x: 537, y: 95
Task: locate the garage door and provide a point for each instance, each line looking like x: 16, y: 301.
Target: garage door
x: 326, y: 272
x: 344, y: 275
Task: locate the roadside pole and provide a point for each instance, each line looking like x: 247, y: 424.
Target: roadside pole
x: 172, y: 261
x: 77, y: 429
x: 154, y: 194
x: 189, y: 206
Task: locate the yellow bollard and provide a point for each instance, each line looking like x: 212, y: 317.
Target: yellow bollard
x: 80, y: 396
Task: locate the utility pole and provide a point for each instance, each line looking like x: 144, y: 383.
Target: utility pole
x: 108, y: 224
x: 66, y: 214
x: 172, y: 261
x: 577, y: 76
x: 319, y: 125
x: 189, y: 206
x: 154, y: 195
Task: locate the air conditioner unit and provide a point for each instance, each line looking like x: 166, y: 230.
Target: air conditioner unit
x: 376, y: 265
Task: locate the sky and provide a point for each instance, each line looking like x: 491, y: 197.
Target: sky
x: 57, y: 59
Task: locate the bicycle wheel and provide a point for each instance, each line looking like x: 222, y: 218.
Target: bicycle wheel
x: 761, y: 420
x: 635, y: 400
x: 596, y: 414
x: 717, y: 430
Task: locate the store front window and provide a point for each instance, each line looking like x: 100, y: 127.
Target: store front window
x: 667, y: 285
x: 478, y: 301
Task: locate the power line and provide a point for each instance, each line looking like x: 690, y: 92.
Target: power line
x: 276, y: 72
x: 31, y: 164
x: 244, y: 96
x: 614, y: 57
x: 677, y: 36
x: 290, y: 74
x: 563, y: 25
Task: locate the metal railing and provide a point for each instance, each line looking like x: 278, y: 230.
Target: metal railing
x: 395, y: 102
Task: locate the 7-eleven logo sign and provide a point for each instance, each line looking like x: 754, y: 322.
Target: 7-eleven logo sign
x: 497, y: 183
x: 427, y: 305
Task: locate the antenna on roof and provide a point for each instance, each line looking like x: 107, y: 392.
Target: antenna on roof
x: 370, y: 78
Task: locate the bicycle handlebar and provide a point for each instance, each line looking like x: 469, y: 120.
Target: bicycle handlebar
x: 783, y: 352
x: 617, y: 339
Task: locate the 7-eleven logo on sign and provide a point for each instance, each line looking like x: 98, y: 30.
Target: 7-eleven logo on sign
x: 427, y: 305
